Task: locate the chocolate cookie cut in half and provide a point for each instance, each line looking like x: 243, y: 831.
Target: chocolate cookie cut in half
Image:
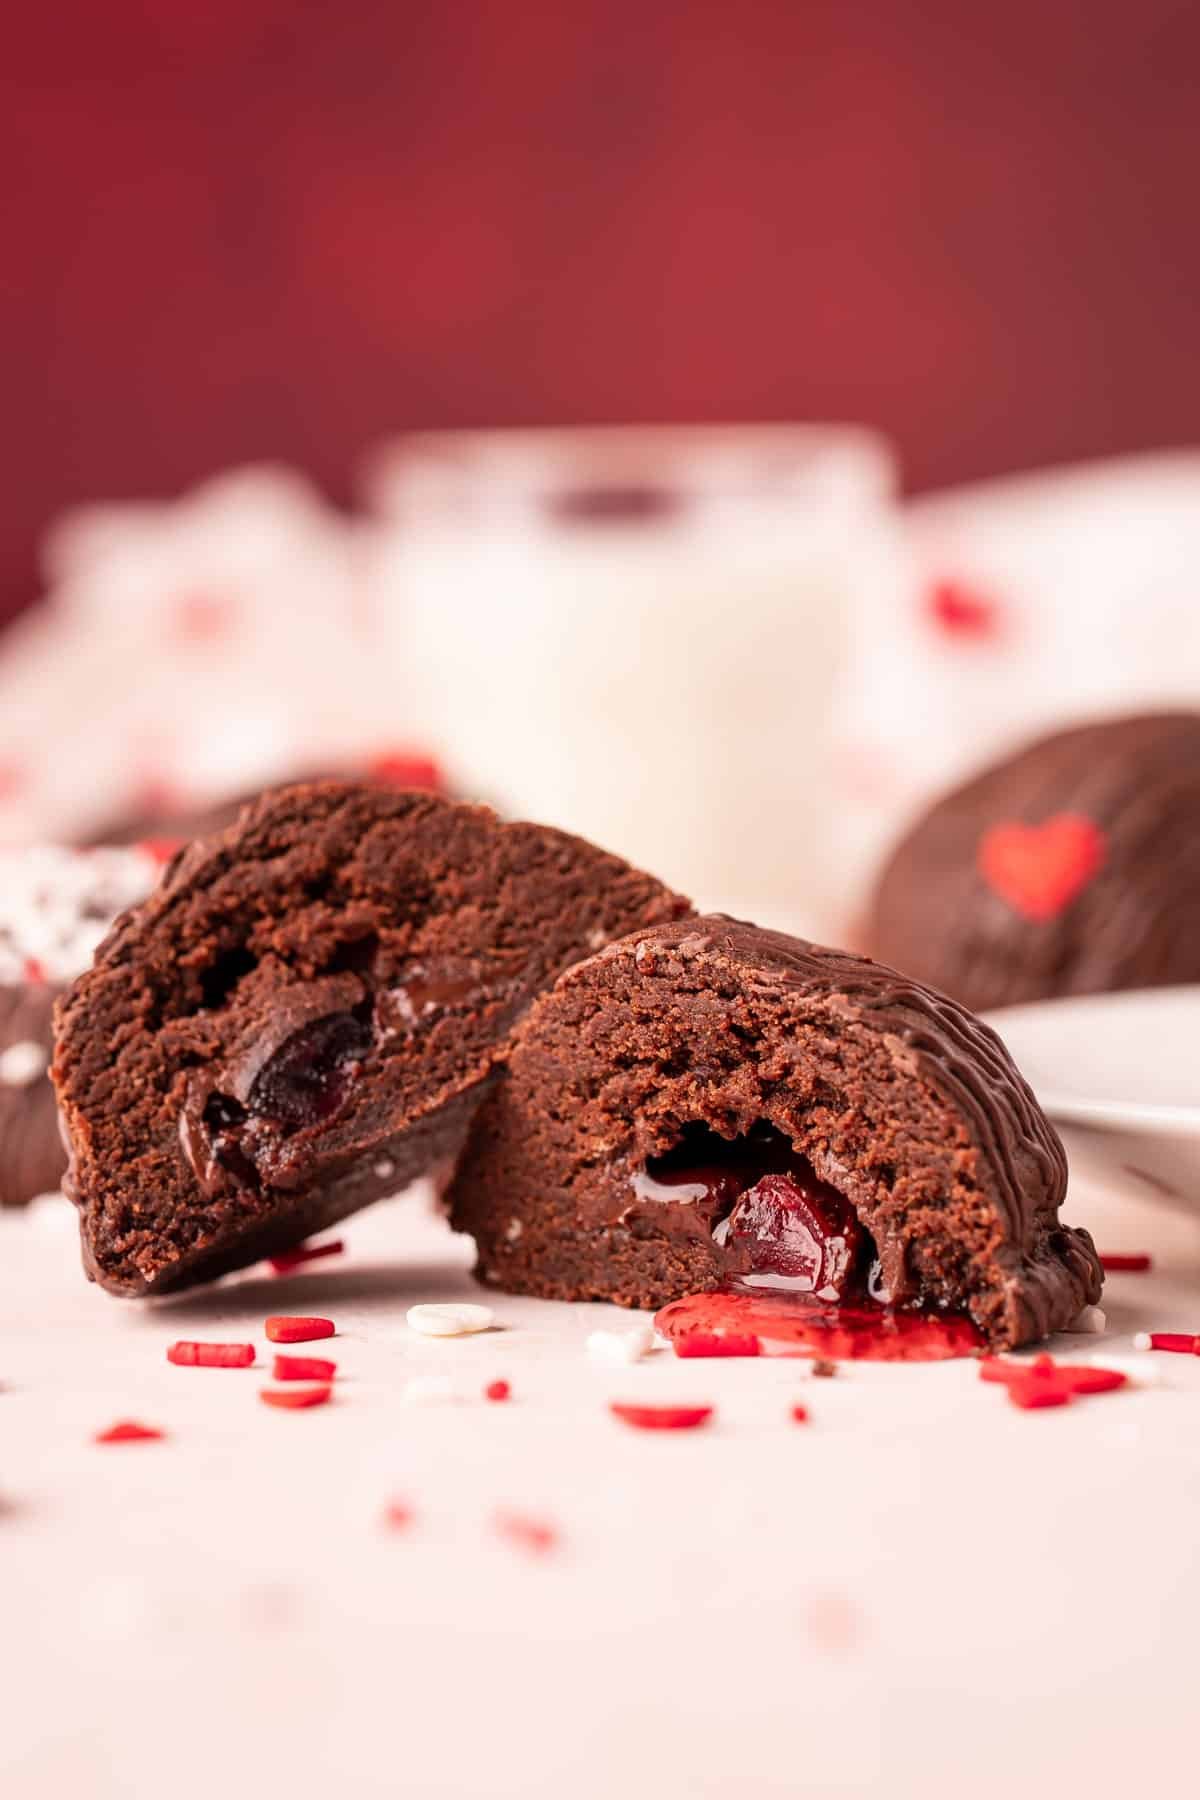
x: 303, y: 1016
x: 708, y: 1105
x: 1072, y: 867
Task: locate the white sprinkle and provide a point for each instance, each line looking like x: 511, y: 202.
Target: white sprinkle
x: 383, y: 1168
x: 51, y: 1212
x: 22, y: 1063
x: 1142, y: 1341
x: 1090, y: 1319
x: 428, y: 1390
x: 454, y: 1319
x: 513, y: 1230
x: 621, y: 1346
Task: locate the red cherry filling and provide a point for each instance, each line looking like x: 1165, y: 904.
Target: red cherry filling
x: 308, y: 1078
x: 797, y: 1233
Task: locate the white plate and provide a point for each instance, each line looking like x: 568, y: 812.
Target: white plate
x: 1120, y: 1074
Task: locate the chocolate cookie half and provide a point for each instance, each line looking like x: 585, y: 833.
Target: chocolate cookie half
x: 303, y: 1016
x: 1072, y: 867
x: 706, y: 1101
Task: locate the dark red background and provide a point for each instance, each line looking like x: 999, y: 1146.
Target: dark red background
x: 258, y: 228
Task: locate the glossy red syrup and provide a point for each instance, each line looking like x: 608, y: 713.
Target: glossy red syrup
x: 799, y: 1325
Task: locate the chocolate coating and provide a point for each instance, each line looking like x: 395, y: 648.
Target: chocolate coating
x: 900, y: 1099
x: 1132, y: 924
x: 315, y: 995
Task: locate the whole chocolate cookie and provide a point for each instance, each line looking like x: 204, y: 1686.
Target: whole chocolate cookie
x: 706, y: 1100
x: 55, y: 907
x: 303, y: 1016
x: 1072, y: 867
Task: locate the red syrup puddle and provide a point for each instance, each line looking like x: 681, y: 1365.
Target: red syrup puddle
x: 797, y: 1325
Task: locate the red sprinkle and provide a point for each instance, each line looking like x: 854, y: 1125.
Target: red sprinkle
x: 284, y: 1329
x: 497, y: 1390
x: 295, y: 1259
x: 303, y: 1368
x: 961, y: 611
x: 1124, y: 1264
x: 1183, y: 1343
x: 1040, y: 869
x: 128, y: 1431
x: 401, y: 769
x: 800, y: 1415
x: 211, y: 1356
x: 33, y: 971
x: 398, y: 1515
x: 661, y: 1418
x: 161, y: 849
x: 294, y: 1398
x: 717, y: 1343
x: 1043, y: 1382
x: 526, y: 1533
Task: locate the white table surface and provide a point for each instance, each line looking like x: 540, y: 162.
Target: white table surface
x: 923, y: 1591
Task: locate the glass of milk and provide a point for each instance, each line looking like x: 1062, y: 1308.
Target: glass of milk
x: 635, y: 633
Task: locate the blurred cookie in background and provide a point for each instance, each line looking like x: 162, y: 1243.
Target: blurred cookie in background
x: 168, y: 818
x: 56, y: 905
x: 1071, y: 867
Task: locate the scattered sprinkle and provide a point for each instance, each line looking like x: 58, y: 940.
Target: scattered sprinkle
x: 824, y: 1370
x: 456, y: 1318
x: 292, y: 1399
x: 660, y: 1418
x: 303, y: 1368
x: 799, y: 1415
x: 398, y: 1515
x: 717, y: 1343
x: 498, y: 1390
x: 161, y: 849
x: 527, y: 1533
x: 296, y: 1259
x: 284, y: 1329
x: 625, y: 1347
x: 1183, y: 1343
x: 33, y: 971
x: 1043, y: 1382
x: 189, y: 1355
x: 128, y: 1431
x: 1089, y: 1320
x: 22, y: 1063
x: 960, y: 611
x: 1120, y: 1262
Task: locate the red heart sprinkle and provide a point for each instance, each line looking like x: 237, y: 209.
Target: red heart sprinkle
x: 1040, y: 869
x: 800, y: 1415
x: 497, y: 1390
x: 661, y: 1418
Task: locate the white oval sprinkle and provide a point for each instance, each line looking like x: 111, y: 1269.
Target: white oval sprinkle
x: 22, y: 1063
x: 1091, y: 1318
x: 621, y: 1346
x: 449, y: 1319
